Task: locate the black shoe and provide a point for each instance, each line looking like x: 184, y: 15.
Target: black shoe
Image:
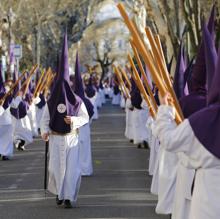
x: 139, y: 146
x: 21, y: 145
x: 5, y: 158
x: 59, y: 202
x: 146, y: 145
x: 131, y: 141
x: 67, y: 204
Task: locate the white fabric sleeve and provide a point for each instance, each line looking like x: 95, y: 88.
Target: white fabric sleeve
x: 128, y: 103
x: 15, y: 102
x: 81, y: 119
x: 172, y: 137
x: 2, y: 110
x: 45, y: 120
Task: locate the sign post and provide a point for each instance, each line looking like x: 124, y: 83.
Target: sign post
x: 17, y: 54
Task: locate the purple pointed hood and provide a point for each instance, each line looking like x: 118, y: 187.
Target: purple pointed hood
x: 63, y: 102
x: 179, y: 83
x: 209, y: 118
x: 199, y: 70
x: 211, y: 62
x: 79, y: 90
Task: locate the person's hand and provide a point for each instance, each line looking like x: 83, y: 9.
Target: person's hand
x: 67, y: 120
x: 166, y: 99
x: 45, y: 136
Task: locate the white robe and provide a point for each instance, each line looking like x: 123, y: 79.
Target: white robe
x: 184, y: 182
x: 95, y: 108
x: 154, y: 147
x: 6, y: 132
x: 99, y: 99
x: 64, y: 162
x: 206, y: 195
x: 85, y: 150
x: 129, y: 121
x: 32, y: 117
x: 116, y: 99
x: 102, y: 95
x: 39, y: 112
x: 140, y: 130
x: 122, y: 103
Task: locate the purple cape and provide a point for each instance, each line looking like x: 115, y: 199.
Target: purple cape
x: 192, y: 103
x: 21, y: 111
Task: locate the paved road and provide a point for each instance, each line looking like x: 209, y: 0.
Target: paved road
x: 119, y: 187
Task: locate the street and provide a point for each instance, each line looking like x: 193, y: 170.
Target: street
x: 119, y: 187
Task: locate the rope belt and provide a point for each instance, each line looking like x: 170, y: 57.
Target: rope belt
x: 73, y: 132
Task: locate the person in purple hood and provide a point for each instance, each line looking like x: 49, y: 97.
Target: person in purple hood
x: 63, y: 115
x: 198, y: 139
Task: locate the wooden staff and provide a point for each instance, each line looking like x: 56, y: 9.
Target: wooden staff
x: 49, y: 83
x: 44, y: 81
x: 156, y: 53
x: 141, y: 86
x: 125, y: 76
x: 14, y: 85
x: 49, y: 78
x: 144, y: 76
x: 39, y: 83
x: 28, y: 81
x: 121, y: 82
x: 160, y: 49
x: 141, y: 48
x: 163, y: 68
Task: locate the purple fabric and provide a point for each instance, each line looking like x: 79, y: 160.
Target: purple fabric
x: 79, y: 90
x: 214, y: 93
x: 193, y: 102
x: 136, y: 99
x: 21, y: 111
x: 63, y: 102
x: 211, y: 62
x: 101, y: 85
x: 206, y: 123
x: 179, y: 83
x: 90, y: 91
x: 116, y: 90
x: 2, y: 88
x: 199, y: 69
x: 42, y: 102
x: 206, y: 126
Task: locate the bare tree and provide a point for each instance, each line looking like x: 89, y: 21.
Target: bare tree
x: 104, y: 60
